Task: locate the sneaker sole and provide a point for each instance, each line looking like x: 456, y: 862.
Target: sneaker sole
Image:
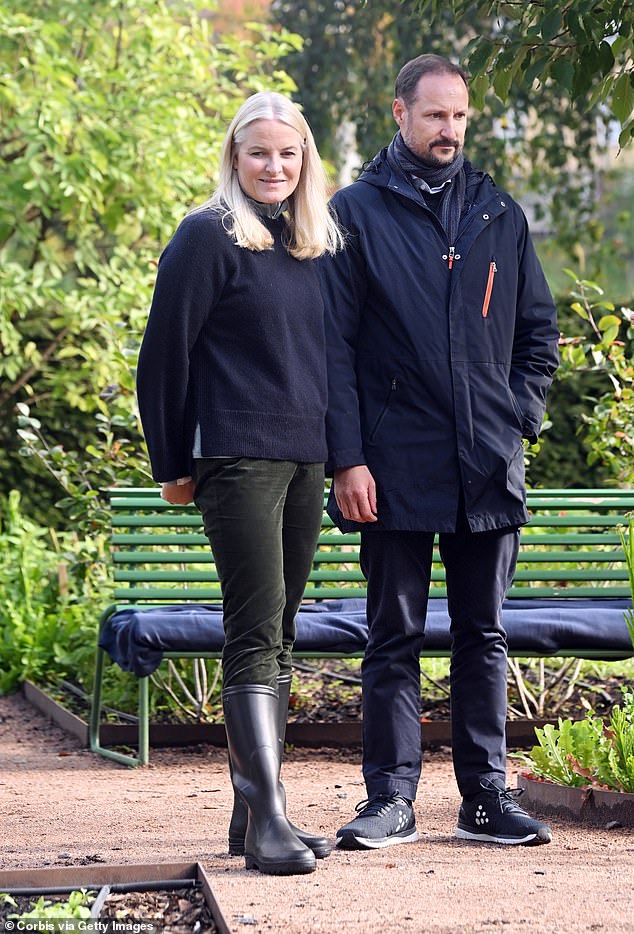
x: 533, y: 839
x: 349, y: 841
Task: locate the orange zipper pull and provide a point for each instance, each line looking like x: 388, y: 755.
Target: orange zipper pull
x: 451, y: 256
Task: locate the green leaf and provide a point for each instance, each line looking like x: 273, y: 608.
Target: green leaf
x: 478, y: 88
x: 502, y: 82
x: 610, y: 335
x: 580, y: 310
x: 536, y: 68
x: 609, y: 321
x: 551, y: 25
x: 626, y: 135
x: 563, y: 72
x: 622, y: 100
x: 481, y: 56
x: 606, y: 58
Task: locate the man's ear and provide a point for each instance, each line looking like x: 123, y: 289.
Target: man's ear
x: 398, y: 110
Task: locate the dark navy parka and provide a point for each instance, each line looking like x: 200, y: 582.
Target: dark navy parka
x: 440, y: 355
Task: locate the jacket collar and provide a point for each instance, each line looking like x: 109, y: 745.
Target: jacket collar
x: 480, y: 185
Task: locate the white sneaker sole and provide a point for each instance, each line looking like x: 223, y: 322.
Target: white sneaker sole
x: 352, y: 842
x: 529, y: 839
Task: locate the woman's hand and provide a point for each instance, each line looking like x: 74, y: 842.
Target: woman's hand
x: 178, y: 494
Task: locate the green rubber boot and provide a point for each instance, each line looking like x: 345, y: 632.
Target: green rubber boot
x: 251, y: 723
x: 320, y: 846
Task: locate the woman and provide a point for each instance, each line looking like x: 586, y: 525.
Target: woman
x: 232, y: 394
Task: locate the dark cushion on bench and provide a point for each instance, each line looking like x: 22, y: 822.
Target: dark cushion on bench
x: 136, y: 638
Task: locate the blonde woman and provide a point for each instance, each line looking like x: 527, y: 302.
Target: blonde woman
x: 232, y: 393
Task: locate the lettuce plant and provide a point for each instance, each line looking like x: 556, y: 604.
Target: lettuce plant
x: 588, y: 752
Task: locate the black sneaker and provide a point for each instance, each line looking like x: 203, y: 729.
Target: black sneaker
x: 494, y: 816
x: 383, y: 820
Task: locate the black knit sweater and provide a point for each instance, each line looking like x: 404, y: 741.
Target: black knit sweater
x: 234, y: 343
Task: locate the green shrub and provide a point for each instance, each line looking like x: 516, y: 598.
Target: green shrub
x: 52, y: 588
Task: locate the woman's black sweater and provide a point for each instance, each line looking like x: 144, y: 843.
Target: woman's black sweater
x: 234, y: 343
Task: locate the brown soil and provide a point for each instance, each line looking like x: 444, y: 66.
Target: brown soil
x: 63, y: 806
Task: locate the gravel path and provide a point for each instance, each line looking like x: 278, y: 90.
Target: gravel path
x: 62, y: 806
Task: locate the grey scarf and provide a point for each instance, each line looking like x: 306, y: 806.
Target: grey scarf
x: 451, y: 178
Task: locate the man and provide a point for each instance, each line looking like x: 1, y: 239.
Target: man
x: 442, y: 344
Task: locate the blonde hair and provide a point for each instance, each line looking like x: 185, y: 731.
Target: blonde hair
x: 312, y: 229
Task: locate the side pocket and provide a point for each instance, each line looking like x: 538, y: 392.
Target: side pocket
x: 518, y: 412
x: 515, y: 473
x: 383, y: 412
x: 487, y: 295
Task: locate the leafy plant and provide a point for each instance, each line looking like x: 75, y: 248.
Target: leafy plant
x: 85, y: 475
x: 587, y: 752
x: 50, y: 584
x: 52, y: 911
x: 605, y: 348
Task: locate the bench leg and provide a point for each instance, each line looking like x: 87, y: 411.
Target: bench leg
x: 144, y: 721
x: 95, y: 719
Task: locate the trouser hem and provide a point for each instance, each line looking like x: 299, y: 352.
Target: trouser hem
x: 470, y: 785
x: 406, y: 789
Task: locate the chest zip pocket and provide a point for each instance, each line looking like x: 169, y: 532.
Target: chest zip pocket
x: 487, y: 295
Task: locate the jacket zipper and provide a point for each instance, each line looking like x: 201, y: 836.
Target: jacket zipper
x: 451, y: 256
x: 487, y: 295
x: 383, y: 412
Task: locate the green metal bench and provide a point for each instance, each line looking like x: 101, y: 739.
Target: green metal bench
x: 570, y: 549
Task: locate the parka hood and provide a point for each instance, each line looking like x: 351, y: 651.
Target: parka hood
x: 378, y: 172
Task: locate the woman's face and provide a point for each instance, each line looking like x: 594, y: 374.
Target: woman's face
x: 269, y: 161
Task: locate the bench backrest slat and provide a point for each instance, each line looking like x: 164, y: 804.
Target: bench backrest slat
x: 571, y: 547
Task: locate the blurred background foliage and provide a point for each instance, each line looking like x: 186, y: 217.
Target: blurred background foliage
x: 112, y: 116
x: 111, y: 119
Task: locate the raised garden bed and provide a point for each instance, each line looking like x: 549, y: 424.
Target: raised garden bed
x: 588, y: 805
x: 520, y: 733
x: 129, y: 899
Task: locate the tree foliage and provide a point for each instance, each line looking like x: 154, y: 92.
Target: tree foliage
x: 535, y: 144
x: 111, y: 121
x: 345, y: 70
x: 584, y: 48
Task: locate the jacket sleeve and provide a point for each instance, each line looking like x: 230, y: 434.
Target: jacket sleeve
x: 535, y: 346
x: 343, y: 285
x: 183, y: 297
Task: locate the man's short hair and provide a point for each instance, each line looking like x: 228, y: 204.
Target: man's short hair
x: 412, y: 71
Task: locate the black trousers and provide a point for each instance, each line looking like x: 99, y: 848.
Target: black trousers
x: 262, y: 519
x: 479, y: 568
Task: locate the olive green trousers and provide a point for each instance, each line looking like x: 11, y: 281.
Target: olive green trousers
x: 262, y: 519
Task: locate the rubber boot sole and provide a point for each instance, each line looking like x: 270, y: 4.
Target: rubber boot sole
x: 321, y: 851
x: 280, y: 867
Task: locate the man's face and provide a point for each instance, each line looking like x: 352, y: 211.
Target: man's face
x: 434, y: 124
